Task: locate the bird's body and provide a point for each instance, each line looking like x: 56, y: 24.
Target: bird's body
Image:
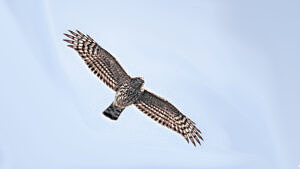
x: 127, y: 94
x: 130, y: 90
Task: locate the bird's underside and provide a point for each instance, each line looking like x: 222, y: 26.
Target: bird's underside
x: 130, y: 90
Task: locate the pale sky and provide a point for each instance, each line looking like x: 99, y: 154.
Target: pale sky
x: 230, y: 66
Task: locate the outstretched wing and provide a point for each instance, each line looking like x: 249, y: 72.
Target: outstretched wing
x: 102, y: 63
x: 166, y: 114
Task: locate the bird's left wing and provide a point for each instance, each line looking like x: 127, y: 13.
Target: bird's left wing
x: 101, y: 62
x: 168, y: 115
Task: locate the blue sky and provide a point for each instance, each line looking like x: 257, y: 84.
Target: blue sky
x: 231, y: 66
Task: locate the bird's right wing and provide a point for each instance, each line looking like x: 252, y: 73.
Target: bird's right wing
x: 166, y: 114
x: 101, y: 62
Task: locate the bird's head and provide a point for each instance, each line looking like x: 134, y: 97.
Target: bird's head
x: 138, y: 82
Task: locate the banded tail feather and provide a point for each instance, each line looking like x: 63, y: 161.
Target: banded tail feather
x: 113, y: 112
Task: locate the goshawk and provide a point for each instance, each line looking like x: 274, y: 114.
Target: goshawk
x: 130, y: 90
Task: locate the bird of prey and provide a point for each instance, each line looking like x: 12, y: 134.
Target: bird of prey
x: 130, y: 90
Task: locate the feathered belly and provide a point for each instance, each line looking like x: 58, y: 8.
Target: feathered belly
x: 126, y: 97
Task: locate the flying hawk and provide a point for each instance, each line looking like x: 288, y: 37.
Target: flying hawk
x: 130, y: 90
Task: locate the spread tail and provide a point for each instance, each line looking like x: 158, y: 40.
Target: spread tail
x: 113, y: 112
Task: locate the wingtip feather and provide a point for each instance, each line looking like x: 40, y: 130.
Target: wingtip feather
x: 199, y: 136
x: 73, y: 33
x: 69, y: 36
x: 192, y: 140
x: 187, y: 140
x: 71, y: 46
x: 196, y: 138
x: 79, y: 32
x: 69, y: 41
